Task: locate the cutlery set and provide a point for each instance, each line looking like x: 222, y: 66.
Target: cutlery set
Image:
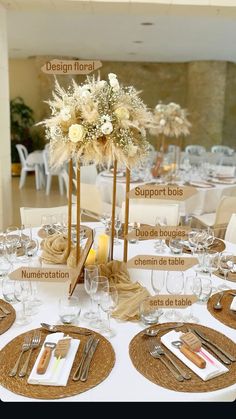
x: 218, y: 305
x: 4, y: 312
x: 59, y: 350
x: 191, y: 345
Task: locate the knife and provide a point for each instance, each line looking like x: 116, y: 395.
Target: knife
x: 221, y: 353
x: 87, y: 347
x: 84, y: 374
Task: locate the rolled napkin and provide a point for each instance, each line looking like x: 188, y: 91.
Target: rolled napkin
x: 55, y: 251
x: 233, y: 304
x: 209, y: 372
x: 130, y: 293
x: 60, y: 375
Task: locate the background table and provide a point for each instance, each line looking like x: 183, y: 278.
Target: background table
x: 124, y: 383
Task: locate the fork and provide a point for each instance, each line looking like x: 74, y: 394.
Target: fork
x: 154, y: 353
x: 182, y: 372
x: 25, y: 347
x: 34, y: 344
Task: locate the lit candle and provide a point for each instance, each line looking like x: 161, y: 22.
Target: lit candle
x: 91, y: 258
x: 103, y: 248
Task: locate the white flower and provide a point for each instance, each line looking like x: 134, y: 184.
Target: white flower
x: 65, y: 114
x: 113, y: 81
x: 132, y: 150
x: 101, y: 84
x: 76, y: 133
x: 159, y: 107
x: 84, y: 91
x: 105, y: 118
x: 162, y: 122
x: 122, y: 113
x: 107, y: 128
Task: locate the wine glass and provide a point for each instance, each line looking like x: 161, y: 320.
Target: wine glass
x: 174, y: 285
x: 5, y: 266
x: 117, y: 228
x: 226, y: 263
x: 159, y: 243
x: 189, y: 290
x: 22, y: 293
x: 12, y: 236
x: 26, y: 237
x: 109, y: 302
x: 8, y: 290
x: 99, y: 286
x: 46, y: 223
x: 90, y: 272
x: 157, y: 280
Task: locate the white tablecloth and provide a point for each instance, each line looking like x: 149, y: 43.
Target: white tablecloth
x: 124, y: 383
x: 205, y: 201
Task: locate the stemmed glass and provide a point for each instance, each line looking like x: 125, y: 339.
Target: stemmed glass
x: 174, y: 285
x: 8, y: 290
x: 117, y: 228
x: 5, y: 265
x: 99, y: 286
x: 22, y: 292
x: 90, y: 272
x: 46, y: 223
x: 189, y: 290
x: 26, y: 237
x: 157, y: 280
x: 226, y: 263
x: 202, y: 288
x: 109, y: 302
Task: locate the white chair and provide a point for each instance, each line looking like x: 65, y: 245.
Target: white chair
x: 88, y: 173
x: 33, y: 216
x: 195, y: 150
x: 23, y: 154
x: 223, y: 149
x: 51, y: 172
x: 230, y: 234
x: 146, y: 211
x: 219, y: 219
x: 91, y: 201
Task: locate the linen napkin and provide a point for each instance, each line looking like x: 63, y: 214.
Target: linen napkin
x: 233, y: 304
x: 60, y: 375
x: 209, y: 372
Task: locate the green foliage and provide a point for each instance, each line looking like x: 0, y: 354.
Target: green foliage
x: 22, y: 129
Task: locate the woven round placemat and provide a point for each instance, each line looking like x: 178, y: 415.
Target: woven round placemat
x: 231, y: 276
x: 101, y: 366
x: 217, y: 247
x: 225, y: 316
x: 155, y: 371
x: 6, y: 322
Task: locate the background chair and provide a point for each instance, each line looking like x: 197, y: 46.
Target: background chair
x: 51, y: 172
x: 146, y: 211
x: 195, y: 150
x: 227, y: 151
x: 33, y: 216
x: 230, y: 234
x: 88, y: 173
x: 23, y: 154
x: 220, y: 219
x: 91, y: 202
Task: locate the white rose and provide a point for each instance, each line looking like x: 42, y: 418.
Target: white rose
x: 65, y: 114
x: 162, y: 122
x: 107, y: 128
x: 113, y: 81
x: 84, y: 91
x: 122, y: 113
x: 101, y: 84
x: 76, y: 133
x: 179, y: 120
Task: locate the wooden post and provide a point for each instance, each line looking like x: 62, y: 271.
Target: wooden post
x: 70, y: 205
x: 126, y: 221
x: 78, y: 215
x: 113, y: 213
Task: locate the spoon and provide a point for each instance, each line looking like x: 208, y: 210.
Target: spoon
x: 52, y: 328
x: 154, y: 332
x: 218, y: 305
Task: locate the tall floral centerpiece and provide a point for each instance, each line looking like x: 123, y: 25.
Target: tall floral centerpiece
x: 170, y: 121
x: 99, y: 121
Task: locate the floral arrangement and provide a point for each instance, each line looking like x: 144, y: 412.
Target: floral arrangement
x: 170, y: 120
x: 97, y: 121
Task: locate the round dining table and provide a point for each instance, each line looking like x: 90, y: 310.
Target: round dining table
x: 204, y: 201
x: 124, y: 383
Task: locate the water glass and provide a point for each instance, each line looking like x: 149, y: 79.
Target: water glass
x: 8, y: 290
x: 69, y: 310
x: 174, y: 286
x: 22, y: 292
x: 202, y: 288
x: 176, y: 246
x: 149, y: 313
x: 226, y: 263
x: 189, y: 290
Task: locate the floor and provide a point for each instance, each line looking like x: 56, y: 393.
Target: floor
x: 29, y: 197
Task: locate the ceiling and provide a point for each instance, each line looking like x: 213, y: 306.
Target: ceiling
x: 114, y: 31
